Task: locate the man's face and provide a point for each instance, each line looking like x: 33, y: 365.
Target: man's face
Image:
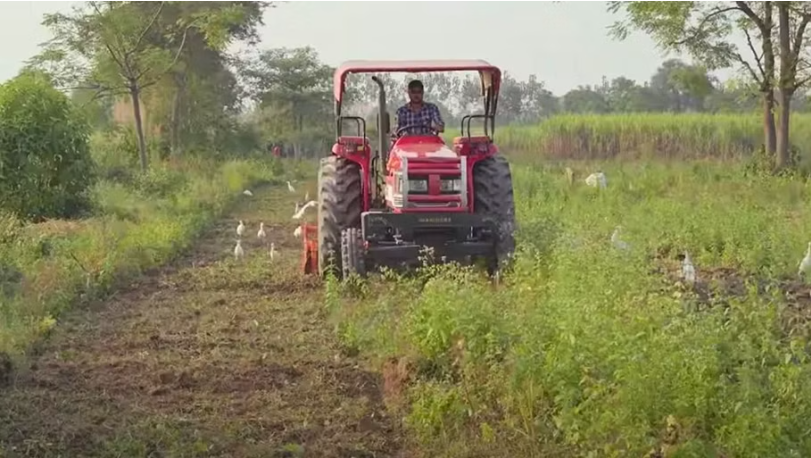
x: 415, y: 95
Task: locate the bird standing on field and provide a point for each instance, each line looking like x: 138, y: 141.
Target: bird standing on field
x: 570, y: 175
x: 688, y: 270
x: 240, y: 228
x: 300, y: 211
x: 307, y: 196
x: 297, y: 232
x: 247, y: 192
x: 597, y: 179
x: 615, y: 239
x: 272, y: 251
x: 261, y: 234
x: 805, y: 264
x: 238, y: 251
x: 290, y: 187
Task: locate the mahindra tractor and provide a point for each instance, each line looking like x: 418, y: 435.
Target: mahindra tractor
x: 384, y: 207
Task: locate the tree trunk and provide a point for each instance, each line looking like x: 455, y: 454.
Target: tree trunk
x: 783, y: 158
x: 174, y: 123
x: 786, y: 88
x: 139, y: 127
x: 769, y: 135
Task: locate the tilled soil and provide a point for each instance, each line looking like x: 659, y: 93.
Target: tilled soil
x: 208, y: 357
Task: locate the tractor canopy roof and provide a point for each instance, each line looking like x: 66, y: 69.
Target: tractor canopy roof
x: 490, y: 74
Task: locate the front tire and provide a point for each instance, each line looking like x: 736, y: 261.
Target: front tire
x: 353, y: 255
x: 493, y: 197
x: 340, y: 204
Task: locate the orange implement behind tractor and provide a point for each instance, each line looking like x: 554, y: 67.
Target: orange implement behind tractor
x: 309, y: 259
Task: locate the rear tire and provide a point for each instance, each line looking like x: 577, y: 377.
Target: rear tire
x: 493, y: 197
x: 353, y: 259
x: 340, y: 204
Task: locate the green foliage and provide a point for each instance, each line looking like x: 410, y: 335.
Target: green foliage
x: 663, y: 135
x: 589, y: 351
x: 45, y: 268
x: 45, y: 163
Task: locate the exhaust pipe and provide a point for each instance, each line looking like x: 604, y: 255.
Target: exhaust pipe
x: 382, y: 128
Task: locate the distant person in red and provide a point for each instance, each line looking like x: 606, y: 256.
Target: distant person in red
x: 277, y: 151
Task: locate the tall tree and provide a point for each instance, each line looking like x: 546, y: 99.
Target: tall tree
x: 107, y: 45
x: 294, y: 87
x: 792, y: 22
x: 704, y: 30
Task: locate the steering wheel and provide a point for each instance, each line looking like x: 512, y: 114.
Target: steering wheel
x: 400, y: 130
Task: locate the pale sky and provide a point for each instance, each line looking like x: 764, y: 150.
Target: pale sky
x: 564, y: 43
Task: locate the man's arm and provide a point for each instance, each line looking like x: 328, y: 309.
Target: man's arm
x: 436, y: 116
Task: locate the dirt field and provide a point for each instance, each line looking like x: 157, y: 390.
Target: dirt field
x: 208, y: 357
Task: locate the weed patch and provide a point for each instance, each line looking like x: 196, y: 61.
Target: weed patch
x: 46, y: 267
x: 590, y: 350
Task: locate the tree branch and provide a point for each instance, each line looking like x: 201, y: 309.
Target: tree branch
x: 748, y: 67
x: 107, y: 45
x: 148, y: 27
x: 704, y: 20
x: 174, y: 61
x: 754, y: 52
x: 743, y: 6
x: 801, y: 83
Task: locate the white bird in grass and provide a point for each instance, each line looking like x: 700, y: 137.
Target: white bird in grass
x: 688, y: 270
x: 615, y: 239
x: 290, y: 187
x: 240, y: 228
x: 261, y: 234
x: 238, y: 251
x: 805, y: 264
x: 272, y: 251
x: 597, y: 179
x: 247, y: 192
x: 297, y: 232
x: 307, y: 196
x: 300, y: 211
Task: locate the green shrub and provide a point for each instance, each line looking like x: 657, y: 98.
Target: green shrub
x: 45, y: 163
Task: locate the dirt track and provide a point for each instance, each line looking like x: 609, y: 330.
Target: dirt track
x: 208, y: 357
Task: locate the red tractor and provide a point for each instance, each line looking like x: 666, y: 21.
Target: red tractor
x: 382, y: 208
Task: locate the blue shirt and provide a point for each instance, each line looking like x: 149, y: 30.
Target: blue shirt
x: 423, y: 117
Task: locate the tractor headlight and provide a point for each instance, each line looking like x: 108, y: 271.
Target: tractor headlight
x: 418, y: 185
x: 454, y: 185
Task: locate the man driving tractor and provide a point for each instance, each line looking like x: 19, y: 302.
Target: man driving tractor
x: 419, y: 116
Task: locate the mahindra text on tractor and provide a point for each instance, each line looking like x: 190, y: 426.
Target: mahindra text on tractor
x: 384, y: 207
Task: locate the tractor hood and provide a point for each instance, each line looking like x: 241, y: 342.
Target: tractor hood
x: 421, y: 148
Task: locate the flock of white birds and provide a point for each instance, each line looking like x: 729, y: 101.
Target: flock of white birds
x: 595, y: 180
x: 239, y: 251
x: 688, y: 270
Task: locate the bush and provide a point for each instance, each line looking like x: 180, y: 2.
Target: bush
x: 45, y: 163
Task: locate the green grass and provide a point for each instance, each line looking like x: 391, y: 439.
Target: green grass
x: 140, y: 222
x: 635, y: 136
x: 585, y: 350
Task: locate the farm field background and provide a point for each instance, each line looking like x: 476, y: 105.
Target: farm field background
x: 586, y: 350
x: 138, y: 319
x: 582, y: 349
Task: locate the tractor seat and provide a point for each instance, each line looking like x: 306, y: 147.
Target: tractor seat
x: 462, y: 145
x: 466, y: 140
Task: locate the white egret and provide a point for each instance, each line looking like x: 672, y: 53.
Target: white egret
x: 615, y: 239
x: 238, y: 251
x: 688, y: 270
x: 300, y: 211
x: 805, y: 264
